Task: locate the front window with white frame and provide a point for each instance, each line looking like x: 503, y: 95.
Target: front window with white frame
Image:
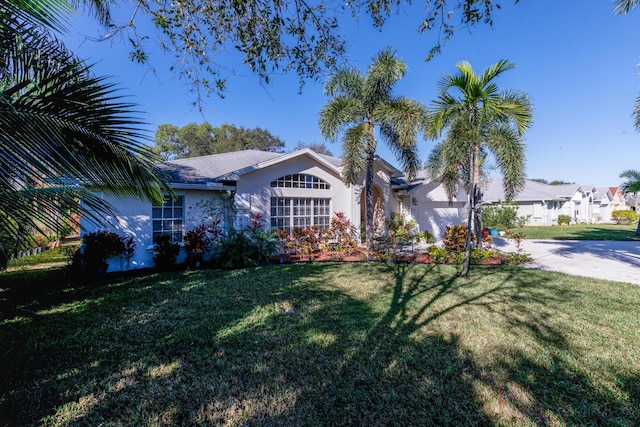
x: 168, y: 219
x: 288, y: 213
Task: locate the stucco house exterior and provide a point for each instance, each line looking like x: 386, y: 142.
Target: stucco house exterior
x: 296, y: 189
x: 542, y: 203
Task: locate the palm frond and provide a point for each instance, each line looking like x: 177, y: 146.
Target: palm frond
x: 354, y: 153
x: 632, y: 185
x: 345, y: 82
x: 338, y: 114
x: 383, y: 73
x: 507, y: 146
x: 622, y: 7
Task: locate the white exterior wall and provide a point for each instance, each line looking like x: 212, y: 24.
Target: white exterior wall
x: 430, y: 208
x: 134, y: 219
x: 253, y: 191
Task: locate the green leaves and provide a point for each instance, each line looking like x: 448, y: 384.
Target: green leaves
x: 62, y: 130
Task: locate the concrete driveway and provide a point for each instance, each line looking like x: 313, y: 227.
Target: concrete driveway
x: 601, y: 259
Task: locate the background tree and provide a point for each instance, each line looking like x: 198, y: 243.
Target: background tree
x: 478, y: 116
x: 193, y: 140
x: 360, y: 103
x: 60, y: 126
x: 231, y: 138
x: 632, y: 186
x: 318, y: 147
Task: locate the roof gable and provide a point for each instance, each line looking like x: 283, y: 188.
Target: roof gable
x: 230, y: 166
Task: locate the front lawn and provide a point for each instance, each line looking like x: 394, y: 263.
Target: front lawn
x: 581, y: 232
x: 321, y: 344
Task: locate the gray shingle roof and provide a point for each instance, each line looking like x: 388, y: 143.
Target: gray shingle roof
x: 225, y: 166
x: 493, y: 191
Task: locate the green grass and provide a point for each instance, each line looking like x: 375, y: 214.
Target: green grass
x: 581, y: 232
x: 320, y: 343
x: 56, y: 257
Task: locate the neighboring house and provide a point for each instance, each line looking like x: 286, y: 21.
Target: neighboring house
x: 297, y: 189
x: 602, y: 205
x: 542, y: 203
x: 619, y: 202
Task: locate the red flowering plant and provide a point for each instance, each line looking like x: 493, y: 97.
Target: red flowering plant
x: 307, y: 239
x: 196, y: 244
x: 341, y: 233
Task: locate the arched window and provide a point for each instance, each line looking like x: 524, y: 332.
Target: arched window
x: 301, y: 180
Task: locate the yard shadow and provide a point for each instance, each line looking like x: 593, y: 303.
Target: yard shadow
x: 283, y: 346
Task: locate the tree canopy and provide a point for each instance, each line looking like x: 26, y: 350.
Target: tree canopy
x: 193, y: 140
x: 318, y: 147
x: 272, y: 36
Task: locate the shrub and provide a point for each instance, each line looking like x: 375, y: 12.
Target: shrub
x: 477, y: 256
x: 624, y: 216
x: 99, y: 246
x: 165, y: 252
x: 401, y: 230
x: 500, y: 216
x: 239, y: 250
x: 517, y: 258
x: 439, y: 255
x: 455, y: 237
x: 425, y: 236
x: 564, y: 219
x: 196, y: 245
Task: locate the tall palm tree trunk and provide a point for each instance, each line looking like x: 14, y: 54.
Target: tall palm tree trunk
x: 467, y: 243
x: 477, y: 197
x: 371, y: 151
x: 369, y: 203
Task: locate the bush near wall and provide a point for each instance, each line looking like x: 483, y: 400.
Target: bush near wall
x: 564, y: 219
x: 624, y: 216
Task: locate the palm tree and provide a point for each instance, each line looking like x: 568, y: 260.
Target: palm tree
x: 632, y: 186
x: 480, y: 119
x: 359, y: 104
x: 62, y: 130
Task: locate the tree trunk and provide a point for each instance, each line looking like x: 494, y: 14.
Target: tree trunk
x: 638, y: 212
x: 371, y: 151
x: 467, y: 243
x: 477, y: 197
x: 368, y: 188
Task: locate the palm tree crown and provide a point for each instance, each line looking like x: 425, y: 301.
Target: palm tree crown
x: 60, y: 127
x: 359, y: 104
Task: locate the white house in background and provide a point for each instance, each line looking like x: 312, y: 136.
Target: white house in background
x: 297, y: 189
x: 619, y: 201
x: 542, y: 203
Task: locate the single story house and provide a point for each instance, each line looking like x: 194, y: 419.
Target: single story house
x: 288, y: 190
x: 542, y: 203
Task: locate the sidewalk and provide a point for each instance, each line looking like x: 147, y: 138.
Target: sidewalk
x: 600, y: 259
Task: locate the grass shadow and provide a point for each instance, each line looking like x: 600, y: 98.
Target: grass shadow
x: 314, y: 344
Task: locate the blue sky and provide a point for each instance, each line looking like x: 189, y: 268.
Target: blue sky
x: 578, y: 63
